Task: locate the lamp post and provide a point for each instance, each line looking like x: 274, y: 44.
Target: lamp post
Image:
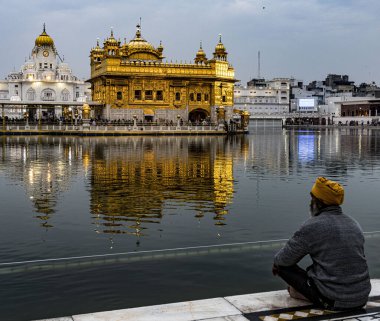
x: 3, y: 116
x: 76, y: 114
x: 178, y: 122
x: 71, y: 115
x: 134, y: 122
x: 39, y: 117
x: 26, y: 116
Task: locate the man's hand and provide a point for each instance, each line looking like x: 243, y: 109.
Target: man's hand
x: 275, y: 269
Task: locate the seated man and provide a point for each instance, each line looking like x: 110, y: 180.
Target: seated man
x: 338, y: 279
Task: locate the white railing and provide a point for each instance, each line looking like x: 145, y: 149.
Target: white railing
x: 120, y: 128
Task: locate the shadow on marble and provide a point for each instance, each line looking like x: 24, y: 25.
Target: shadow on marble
x: 255, y: 302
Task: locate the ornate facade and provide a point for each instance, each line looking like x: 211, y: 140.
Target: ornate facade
x: 44, y: 77
x: 133, y: 81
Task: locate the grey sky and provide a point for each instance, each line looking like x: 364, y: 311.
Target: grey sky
x: 306, y: 39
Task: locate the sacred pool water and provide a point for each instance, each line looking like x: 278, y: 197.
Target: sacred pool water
x: 94, y: 224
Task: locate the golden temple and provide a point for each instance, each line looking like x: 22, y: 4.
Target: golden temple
x: 131, y: 80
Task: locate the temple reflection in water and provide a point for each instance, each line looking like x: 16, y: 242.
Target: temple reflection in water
x: 132, y: 185
x: 44, y: 166
x: 134, y: 179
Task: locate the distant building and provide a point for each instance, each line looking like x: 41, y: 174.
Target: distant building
x: 339, y: 83
x: 367, y: 90
x: 262, y: 96
x: 352, y: 110
x: 317, y: 92
x: 43, y: 77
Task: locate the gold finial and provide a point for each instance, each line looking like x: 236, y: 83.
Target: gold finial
x: 44, y: 28
x: 97, y: 42
x: 220, y: 38
x: 111, y: 31
x: 138, y: 31
x: 200, y: 47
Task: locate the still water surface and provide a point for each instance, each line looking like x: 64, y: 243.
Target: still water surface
x: 65, y: 197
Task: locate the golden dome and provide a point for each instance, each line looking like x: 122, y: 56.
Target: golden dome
x: 160, y: 48
x: 111, y: 41
x: 200, y: 52
x: 220, y: 47
x: 97, y: 48
x: 200, y: 56
x: 139, y: 43
x: 44, y: 39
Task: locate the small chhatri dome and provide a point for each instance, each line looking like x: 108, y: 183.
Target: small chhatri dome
x: 201, y: 55
x: 220, y: 51
x: 160, y: 48
x: 220, y: 47
x: 201, y: 52
x: 44, y: 39
x: 111, y: 40
x: 97, y: 48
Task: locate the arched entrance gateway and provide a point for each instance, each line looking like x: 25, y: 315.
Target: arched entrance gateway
x: 198, y: 115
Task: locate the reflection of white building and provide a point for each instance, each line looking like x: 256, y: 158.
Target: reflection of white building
x: 43, y: 77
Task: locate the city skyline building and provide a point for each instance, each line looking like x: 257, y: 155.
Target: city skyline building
x: 263, y: 97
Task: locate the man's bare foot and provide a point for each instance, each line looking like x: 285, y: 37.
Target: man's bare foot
x: 296, y: 295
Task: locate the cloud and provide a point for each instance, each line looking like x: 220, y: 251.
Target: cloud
x: 306, y: 39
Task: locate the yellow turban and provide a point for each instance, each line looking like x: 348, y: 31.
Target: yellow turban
x: 329, y: 192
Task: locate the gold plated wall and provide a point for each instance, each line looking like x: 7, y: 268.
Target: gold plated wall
x: 131, y: 79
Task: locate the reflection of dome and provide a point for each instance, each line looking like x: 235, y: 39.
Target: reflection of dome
x: 44, y: 39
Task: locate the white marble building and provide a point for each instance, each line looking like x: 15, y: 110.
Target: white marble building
x: 44, y: 77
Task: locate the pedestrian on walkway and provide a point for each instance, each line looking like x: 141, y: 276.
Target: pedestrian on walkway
x: 338, y: 278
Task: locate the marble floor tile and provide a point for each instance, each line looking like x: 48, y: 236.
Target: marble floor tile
x: 228, y: 318
x: 183, y: 311
x: 375, y: 291
x: 249, y: 303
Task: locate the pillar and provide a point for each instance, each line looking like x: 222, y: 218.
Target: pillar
x: 3, y: 116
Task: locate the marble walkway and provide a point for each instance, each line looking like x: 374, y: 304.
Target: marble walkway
x: 268, y: 306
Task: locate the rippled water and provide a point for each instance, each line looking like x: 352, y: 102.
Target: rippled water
x: 64, y: 197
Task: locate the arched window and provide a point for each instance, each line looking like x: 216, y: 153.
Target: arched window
x: 177, y: 96
x: 30, y: 94
x: 119, y: 95
x: 65, y: 95
x: 48, y: 94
